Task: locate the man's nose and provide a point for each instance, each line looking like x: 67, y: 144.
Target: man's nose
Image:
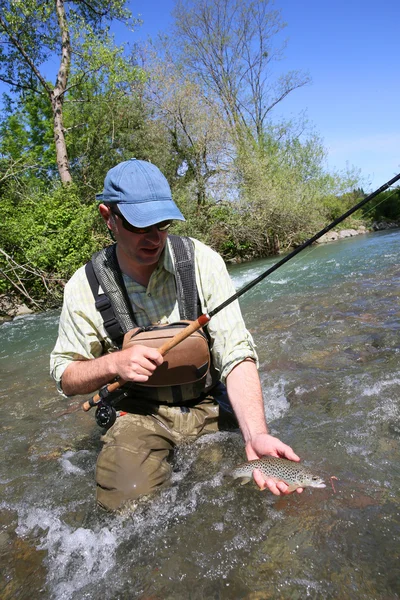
x: 154, y: 234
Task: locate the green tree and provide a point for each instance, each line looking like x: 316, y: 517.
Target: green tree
x: 33, y: 32
x: 385, y: 207
x: 196, y: 128
x: 110, y: 123
x: 26, y: 139
x: 51, y: 237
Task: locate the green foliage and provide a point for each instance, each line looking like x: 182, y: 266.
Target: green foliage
x: 35, y: 28
x: 32, y: 33
x: 109, y: 128
x: 48, y: 234
x: 385, y: 207
x: 27, y: 146
x: 336, y: 205
x: 249, y: 186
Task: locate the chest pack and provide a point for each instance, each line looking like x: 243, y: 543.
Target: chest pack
x: 186, y: 371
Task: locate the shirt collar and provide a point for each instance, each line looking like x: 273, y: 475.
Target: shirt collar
x: 168, y: 262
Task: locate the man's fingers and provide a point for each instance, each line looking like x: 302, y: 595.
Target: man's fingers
x: 266, y: 482
x: 154, y: 356
x: 141, y: 378
x: 278, y: 488
x: 287, y: 452
x: 146, y: 355
x: 291, y: 455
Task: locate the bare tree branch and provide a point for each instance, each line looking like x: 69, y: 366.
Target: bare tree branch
x: 15, y: 280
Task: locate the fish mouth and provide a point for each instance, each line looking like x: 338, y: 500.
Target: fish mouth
x: 319, y: 485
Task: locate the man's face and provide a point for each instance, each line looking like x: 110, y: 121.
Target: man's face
x: 142, y: 248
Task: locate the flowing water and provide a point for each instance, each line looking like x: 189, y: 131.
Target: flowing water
x: 327, y: 327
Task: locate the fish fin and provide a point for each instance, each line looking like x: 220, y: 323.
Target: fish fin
x: 292, y: 487
x: 244, y: 480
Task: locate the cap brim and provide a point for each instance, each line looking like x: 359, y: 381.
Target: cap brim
x: 148, y: 213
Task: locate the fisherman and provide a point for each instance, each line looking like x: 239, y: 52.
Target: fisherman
x: 141, y: 269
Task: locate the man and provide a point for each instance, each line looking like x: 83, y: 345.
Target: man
x: 137, y: 207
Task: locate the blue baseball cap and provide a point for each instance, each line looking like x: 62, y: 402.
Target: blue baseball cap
x: 141, y: 192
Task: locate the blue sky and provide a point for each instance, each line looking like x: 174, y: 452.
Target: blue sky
x: 351, y: 49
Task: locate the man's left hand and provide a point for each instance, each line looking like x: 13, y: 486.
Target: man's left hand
x: 268, y: 445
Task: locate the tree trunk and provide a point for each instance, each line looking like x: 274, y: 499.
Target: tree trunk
x: 59, y: 138
x: 57, y: 95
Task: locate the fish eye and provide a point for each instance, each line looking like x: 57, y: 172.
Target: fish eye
x: 315, y: 478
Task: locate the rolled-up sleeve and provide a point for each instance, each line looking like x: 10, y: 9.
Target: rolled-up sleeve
x: 231, y: 342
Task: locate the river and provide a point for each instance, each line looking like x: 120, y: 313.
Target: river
x: 327, y: 328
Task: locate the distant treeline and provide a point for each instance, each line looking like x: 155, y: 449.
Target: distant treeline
x: 200, y: 103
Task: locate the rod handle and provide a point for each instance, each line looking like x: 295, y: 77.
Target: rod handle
x: 111, y: 387
x: 182, y: 335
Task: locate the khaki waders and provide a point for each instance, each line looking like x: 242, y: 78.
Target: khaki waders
x: 133, y: 461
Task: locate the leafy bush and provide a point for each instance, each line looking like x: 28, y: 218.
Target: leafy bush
x: 45, y: 237
x: 385, y: 207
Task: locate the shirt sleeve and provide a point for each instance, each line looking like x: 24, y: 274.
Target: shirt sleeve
x: 81, y: 334
x: 231, y: 342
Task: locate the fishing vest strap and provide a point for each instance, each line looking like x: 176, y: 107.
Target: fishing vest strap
x: 112, y: 301
x: 103, y: 305
x: 188, y: 298
x: 111, y: 298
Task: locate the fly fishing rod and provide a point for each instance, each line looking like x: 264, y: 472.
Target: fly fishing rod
x: 202, y: 320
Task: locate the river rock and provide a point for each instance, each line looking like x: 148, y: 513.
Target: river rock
x: 346, y: 233
x: 10, y: 307
x: 331, y: 236
x: 21, y: 310
x: 384, y: 225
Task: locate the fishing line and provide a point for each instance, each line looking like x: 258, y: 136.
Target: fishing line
x: 314, y: 248
x: 302, y: 246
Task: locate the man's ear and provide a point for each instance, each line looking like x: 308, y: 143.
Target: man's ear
x: 106, y: 213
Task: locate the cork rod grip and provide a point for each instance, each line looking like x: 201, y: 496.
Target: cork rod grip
x: 182, y: 335
x: 96, y: 398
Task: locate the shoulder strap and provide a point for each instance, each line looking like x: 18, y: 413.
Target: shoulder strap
x: 103, y: 305
x: 113, y: 303
x: 186, y: 288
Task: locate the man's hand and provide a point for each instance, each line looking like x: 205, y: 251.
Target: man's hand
x: 136, y: 363
x: 266, y: 445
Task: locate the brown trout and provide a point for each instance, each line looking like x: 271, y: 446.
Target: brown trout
x: 278, y: 469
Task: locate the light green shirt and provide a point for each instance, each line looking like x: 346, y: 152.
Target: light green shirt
x: 82, y: 336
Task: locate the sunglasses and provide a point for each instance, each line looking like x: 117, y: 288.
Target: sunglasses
x: 140, y: 230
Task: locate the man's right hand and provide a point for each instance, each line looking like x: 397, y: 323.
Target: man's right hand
x: 136, y: 363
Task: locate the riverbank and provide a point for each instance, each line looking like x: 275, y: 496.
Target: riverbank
x: 333, y: 236
x: 12, y: 307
